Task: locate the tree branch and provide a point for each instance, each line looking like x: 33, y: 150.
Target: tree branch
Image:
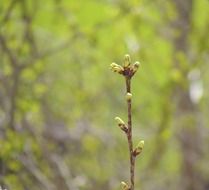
x: 128, y: 70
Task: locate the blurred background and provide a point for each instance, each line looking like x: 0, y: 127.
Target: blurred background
x: 58, y: 98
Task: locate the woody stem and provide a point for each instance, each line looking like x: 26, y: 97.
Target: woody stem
x: 129, y: 134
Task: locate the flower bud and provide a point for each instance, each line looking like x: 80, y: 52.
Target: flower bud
x: 124, y: 186
x: 128, y: 96
x: 127, y: 60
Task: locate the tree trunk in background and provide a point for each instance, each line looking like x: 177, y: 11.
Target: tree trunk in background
x: 13, y: 97
x: 186, y: 112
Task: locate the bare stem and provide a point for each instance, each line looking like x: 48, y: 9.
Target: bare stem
x: 128, y: 70
x: 129, y: 134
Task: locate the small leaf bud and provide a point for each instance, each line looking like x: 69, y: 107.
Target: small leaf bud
x: 123, y: 127
x: 128, y: 96
x: 140, y: 144
x: 124, y: 186
x: 116, y: 68
x: 135, y: 66
x: 138, y: 148
x: 119, y: 120
x: 121, y: 124
x: 113, y: 64
x: 127, y: 60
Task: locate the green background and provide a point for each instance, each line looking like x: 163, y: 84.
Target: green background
x: 58, y: 97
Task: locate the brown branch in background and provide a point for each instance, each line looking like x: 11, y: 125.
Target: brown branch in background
x: 7, y: 50
x: 64, y: 172
x: 38, y: 175
x: 128, y: 70
x: 187, y: 111
x: 8, y: 12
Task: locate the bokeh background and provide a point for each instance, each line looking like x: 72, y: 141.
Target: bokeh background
x: 58, y: 98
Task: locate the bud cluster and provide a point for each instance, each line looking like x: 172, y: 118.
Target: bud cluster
x: 128, y: 69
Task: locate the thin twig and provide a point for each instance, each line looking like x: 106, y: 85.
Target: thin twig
x: 129, y: 134
x: 128, y: 70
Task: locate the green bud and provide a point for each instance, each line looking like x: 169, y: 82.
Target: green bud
x: 136, y: 66
x: 138, y: 148
x: 127, y: 60
x: 113, y: 65
x: 124, y: 186
x: 123, y: 127
x: 119, y: 121
x: 140, y: 144
x: 128, y: 96
x: 116, y: 68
